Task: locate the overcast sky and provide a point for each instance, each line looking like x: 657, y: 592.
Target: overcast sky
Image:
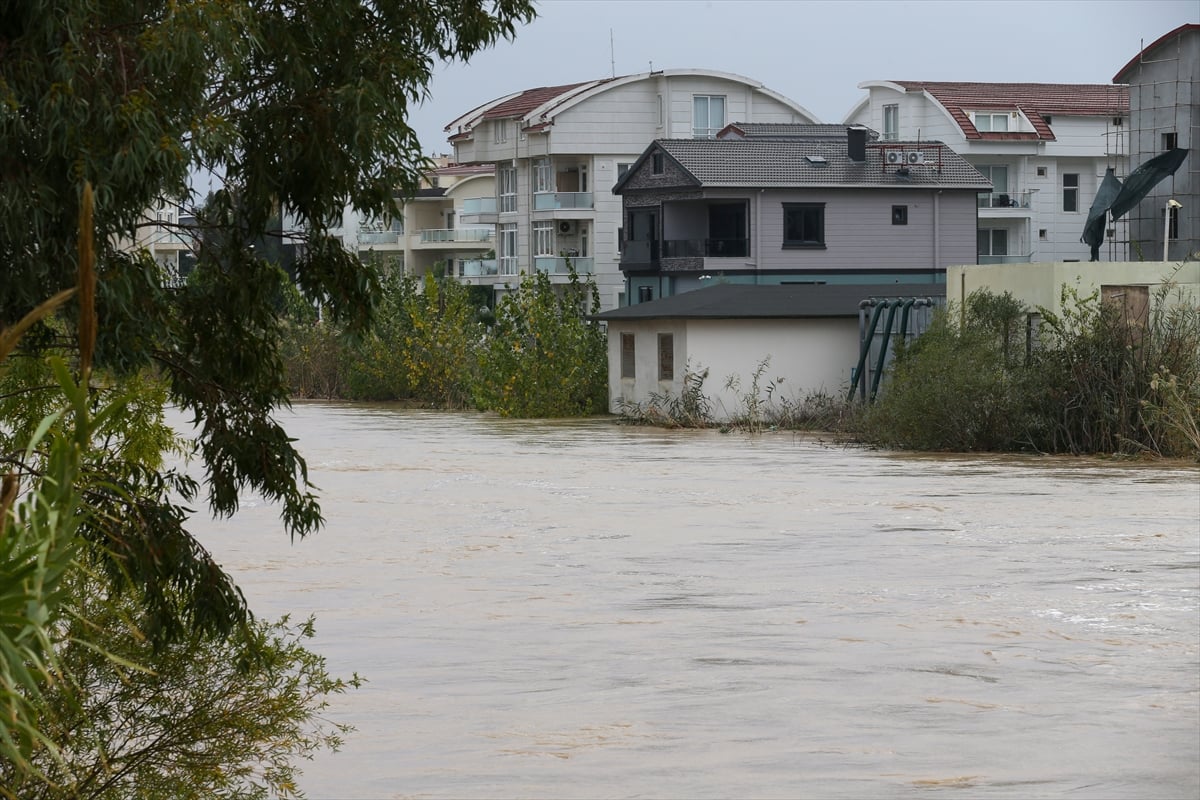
x: 815, y: 53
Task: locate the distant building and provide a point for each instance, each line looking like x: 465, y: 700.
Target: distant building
x: 813, y: 204
x: 1045, y: 148
x: 1164, y: 114
x: 556, y: 152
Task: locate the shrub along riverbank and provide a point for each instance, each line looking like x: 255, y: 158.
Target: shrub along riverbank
x: 1092, y: 381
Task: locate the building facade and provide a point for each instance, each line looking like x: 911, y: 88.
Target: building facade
x: 795, y: 204
x: 556, y: 152
x: 1044, y: 147
x: 1164, y: 114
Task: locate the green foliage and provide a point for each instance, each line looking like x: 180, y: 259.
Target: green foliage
x: 691, y: 408
x: 1096, y: 382
x: 199, y: 718
x: 436, y: 335
x: 542, y: 357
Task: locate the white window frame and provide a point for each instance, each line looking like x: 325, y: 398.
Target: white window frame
x: 543, y: 239
x: 703, y: 122
x: 543, y: 175
x: 506, y: 182
x: 500, y: 131
x: 992, y: 241
x: 508, y: 250
x: 1071, y: 192
x: 891, y: 114
x: 978, y: 119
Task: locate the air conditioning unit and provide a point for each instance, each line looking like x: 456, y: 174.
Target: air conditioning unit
x: 566, y: 227
x: 914, y: 157
x: 895, y: 157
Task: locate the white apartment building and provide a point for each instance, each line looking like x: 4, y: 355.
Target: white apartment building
x: 1045, y: 148
x: 557, y: 151
x: 428, y: 233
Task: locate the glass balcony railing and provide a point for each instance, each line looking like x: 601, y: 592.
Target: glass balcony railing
x: 509, y: 265
x: 479, y: 205
x: 706, y: 248
x: 550, y: 201
x: 479, y: 267
x: 554, y: 265
x: 378, y: 237
x: 441, y: 235
x: 1005, y: 199
x: 1014, y: 259
x: 640, y: 253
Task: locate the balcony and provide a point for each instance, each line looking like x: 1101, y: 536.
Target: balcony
x: 639, y: 254
x: 439, y: 236
x: 553, y: 265
x: 555, y: 201
x: 1015, y: 259
x: 379, y: 237
x: 479, y: 267
x: 1006, y: 200
x: 478, y: 210
x: 706, y: 248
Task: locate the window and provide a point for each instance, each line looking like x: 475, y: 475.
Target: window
x: 1070, y: 191
x: 1170, y: 141
x: 1172, y: 222
x: 1042, y: 233
x: 500, y: 128
x: 985, y: 123
x: 543, y: 238
x: 656, y: 162
x: 645, y: 294
x: 891, y: 123
x: 899, y: 215
x: 508, y: 248
x: 622, y: 169
x: 708, y: 116
x: 508, y: 188
x: 661, y: 115
x: 666, y: 357
x: 1041, y: 172
x: 543, y: 175
x: 999, y: 196
x: 803, y: 224
x: 620, y: 240
x: 992, y: 242
x: 628, y: 362
x: 1118, y: 122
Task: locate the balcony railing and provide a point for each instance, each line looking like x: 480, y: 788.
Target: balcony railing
x: 706, y: 248
x: 378, y: 237
x: 549, y: 201
x: 1005, y: 199
x: 1014, y: 259
x: 479, y: 267
x: 479, y: 205
x: 553, y: 265
x: 640, y: 253
x: 442, y: 235
x: 509, y: 265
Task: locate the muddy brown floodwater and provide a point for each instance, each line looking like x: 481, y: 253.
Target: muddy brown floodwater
x: 589, y: 610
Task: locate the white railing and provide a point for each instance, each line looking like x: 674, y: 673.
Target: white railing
x: 441, y: 235
x: 1013, y: 259
x: 550, y: 201
x: 378, y: 237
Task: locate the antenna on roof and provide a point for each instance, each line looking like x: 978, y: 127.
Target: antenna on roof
x: 652, y: 66
x: 612, y: 59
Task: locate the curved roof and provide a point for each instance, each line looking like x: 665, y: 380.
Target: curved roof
x: 1035, y: 100
x: 1147, y: 51
x: 536, y: 107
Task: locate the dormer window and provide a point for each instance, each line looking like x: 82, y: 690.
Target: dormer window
x: 987, y: 122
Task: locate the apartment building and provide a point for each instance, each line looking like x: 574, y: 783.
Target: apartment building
x: 1044, y: 147
x: 557, y: 151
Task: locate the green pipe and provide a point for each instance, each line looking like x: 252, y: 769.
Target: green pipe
x: 864, y: 351
x: 887, y: 335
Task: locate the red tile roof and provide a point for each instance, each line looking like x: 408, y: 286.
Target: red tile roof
x: 1145, y: 53
x: 1034, y: 100
x: 530, y: 99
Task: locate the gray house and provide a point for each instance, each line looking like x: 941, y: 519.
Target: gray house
x: 1164, y: 114
x: 779, y: 204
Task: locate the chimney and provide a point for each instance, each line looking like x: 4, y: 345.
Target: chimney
x: 856, y: 143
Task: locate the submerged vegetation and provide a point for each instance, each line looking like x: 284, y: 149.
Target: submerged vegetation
x: 1091, y: 380
x: 435, y: 343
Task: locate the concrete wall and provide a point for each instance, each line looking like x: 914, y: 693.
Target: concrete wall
x: 810, y: 355
x: 1042, y: 284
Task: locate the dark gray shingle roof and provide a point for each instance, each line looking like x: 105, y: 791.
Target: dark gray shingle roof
x: 781, y: 163
x: 783, y: 301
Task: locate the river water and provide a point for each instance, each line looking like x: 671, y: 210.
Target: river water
x: 589, y: 610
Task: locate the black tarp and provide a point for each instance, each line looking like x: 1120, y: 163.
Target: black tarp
x: 1144, y: 178
x: 1093, y: 230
